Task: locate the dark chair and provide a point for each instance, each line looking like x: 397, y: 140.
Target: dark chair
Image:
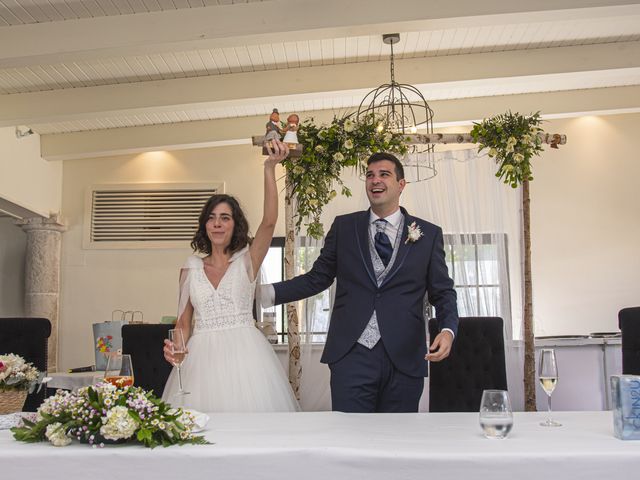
x: 28, y: 338
x: 144, y: 342
x: 629, y: 322
x: 476, y: 363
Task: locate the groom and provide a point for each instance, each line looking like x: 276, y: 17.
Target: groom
x: 384, y: 261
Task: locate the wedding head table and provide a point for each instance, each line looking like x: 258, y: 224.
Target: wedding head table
x: 332, y: 445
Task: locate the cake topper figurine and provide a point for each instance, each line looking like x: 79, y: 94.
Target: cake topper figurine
x: 274, y: 130
x: 291, y: 128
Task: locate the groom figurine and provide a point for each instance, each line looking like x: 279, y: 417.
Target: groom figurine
x: 384, y: 261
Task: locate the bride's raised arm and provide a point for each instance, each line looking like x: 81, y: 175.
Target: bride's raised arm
x: 264, y: 233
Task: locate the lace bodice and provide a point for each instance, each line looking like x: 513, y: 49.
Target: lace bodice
x: 228, y: 306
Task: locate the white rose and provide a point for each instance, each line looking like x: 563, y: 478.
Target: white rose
x: 319, y: 149
x: 348, y: 144
x: 518, y: 157
x: 493, y: 152
x: 349, y: 126
x: 338, y: 157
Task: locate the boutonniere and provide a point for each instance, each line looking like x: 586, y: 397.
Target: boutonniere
x: 414, y: 233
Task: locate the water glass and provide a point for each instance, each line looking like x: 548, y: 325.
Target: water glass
x: 496, y: 416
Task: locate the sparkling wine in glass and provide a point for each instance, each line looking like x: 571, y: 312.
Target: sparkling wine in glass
x: 496, y: 416
x: 119, y: 371
x: 548, y: 376
x: 178, y: 352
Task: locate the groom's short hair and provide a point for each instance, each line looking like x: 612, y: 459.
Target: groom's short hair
x: 379, y: 156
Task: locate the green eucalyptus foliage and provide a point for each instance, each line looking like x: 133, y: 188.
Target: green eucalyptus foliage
x: 512, y: 139
x: 327, y: 151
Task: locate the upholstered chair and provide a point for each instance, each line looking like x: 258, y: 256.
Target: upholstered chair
x: 476, y: 363
x: 27, y: 337
x: 629, y: 322
x: 144, y: 342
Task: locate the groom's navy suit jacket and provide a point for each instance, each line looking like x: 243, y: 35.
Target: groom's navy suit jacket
x: 419, y: 267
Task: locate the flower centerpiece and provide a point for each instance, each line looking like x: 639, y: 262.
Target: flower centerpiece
x: 512, y: 139
x: 17, y: 378
x: 105, y: 413
x: 327, y: 150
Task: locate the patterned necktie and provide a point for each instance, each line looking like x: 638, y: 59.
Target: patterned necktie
x: 382, y: 243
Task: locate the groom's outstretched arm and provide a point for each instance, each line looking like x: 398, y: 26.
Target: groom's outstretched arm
x: 316, y: 280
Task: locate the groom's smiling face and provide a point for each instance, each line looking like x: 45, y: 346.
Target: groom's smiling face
x: 383, y: 186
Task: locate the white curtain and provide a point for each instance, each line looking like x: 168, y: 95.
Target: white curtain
x: 480, y: 217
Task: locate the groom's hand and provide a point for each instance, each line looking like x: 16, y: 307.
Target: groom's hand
x: 440, y: 347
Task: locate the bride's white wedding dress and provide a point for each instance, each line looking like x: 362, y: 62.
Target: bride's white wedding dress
x: 231, y: 367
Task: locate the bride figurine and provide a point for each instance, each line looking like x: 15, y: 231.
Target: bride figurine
x: 291, y: 129
x: 230, y: 366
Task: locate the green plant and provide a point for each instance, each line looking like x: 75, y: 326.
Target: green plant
x: 103, y: 413
x: 327, y: 150
x: 512, y: 139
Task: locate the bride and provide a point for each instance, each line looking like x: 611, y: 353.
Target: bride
x: 231, y: 367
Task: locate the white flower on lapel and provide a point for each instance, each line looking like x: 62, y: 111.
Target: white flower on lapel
x: 414, y: 233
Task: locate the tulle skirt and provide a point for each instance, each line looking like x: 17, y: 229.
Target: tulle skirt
x: 231, y: 370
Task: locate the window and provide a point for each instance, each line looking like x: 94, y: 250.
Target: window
x: 319, y: 306
x: 478, y: 266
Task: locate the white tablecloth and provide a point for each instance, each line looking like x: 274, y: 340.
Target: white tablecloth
x: 330, y: 446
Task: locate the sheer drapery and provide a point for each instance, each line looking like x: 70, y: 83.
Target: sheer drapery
x: 480, y: 217
x: 314, y: 313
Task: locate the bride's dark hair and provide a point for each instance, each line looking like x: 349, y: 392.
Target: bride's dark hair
x: 240, y: 238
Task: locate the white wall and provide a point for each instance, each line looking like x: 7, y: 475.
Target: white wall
x: 13, y: 243
x: 586, y: 226
x: 26, y: 179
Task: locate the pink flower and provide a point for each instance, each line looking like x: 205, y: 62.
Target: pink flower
x: 3, y: 367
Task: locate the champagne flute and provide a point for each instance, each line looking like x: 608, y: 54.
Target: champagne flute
x: 548, y: 375
x: 119, y: 371
x: 178, y: 352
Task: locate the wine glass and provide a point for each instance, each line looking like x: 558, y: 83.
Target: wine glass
x: 119, y: 371
x: 496, y: 416
x: 178, y: 352
x: 548, y: 375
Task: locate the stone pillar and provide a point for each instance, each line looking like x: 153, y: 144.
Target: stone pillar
x: 42, y: 274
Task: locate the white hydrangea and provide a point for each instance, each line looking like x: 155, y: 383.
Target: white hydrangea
x: 56, y: 435
x: 118, y: 424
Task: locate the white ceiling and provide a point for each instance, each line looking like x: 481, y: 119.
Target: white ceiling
x: 78, y: 65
